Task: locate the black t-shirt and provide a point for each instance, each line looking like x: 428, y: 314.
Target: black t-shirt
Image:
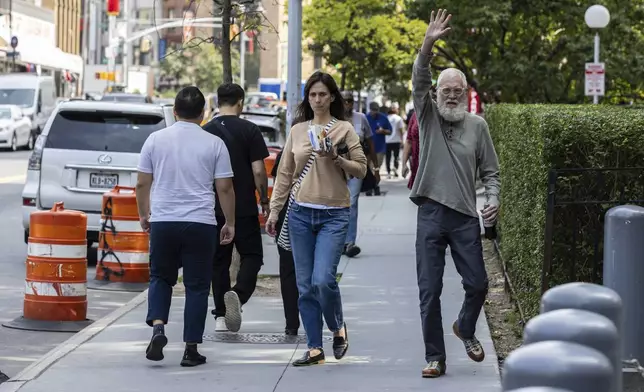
x: 247, y: 146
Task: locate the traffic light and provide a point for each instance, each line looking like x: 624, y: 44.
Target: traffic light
x: 113, y: 7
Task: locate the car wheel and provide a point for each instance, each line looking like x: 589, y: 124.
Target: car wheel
x: 31, y: 142
x: 14, y: 142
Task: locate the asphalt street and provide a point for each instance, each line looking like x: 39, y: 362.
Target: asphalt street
x: 18, y: 348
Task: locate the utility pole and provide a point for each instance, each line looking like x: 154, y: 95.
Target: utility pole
x: 85, y: 44
x: 13, y: 57
x: 126, y: 44
x: 294, y: 72
x: 242, y: 56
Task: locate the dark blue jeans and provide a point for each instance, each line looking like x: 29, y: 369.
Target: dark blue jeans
x: 174, y: 245
x: 317, y: 239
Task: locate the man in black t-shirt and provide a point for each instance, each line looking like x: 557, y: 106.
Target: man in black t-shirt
x: 247, y: 150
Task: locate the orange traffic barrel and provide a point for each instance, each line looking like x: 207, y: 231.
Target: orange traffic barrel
x: 56, y: 278
x: 269, y: 162
x: 123, y: 261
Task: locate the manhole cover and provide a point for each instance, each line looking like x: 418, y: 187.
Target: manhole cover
x: 258, y: 338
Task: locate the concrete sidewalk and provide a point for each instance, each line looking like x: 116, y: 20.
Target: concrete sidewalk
x: 380, y: 299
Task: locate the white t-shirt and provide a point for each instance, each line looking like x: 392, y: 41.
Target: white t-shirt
x: 397, y: 126
x: 184, y: 160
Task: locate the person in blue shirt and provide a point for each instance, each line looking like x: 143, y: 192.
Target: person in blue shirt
x: 381, y: 128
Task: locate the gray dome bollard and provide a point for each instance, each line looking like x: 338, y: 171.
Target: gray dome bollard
x: 582, y: 327
x: 624, y: 272
x: 540, y: 389
x: 591, y: 297
x: 559, y: 365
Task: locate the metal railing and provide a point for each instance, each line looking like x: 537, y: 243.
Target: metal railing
x: 577, y: 201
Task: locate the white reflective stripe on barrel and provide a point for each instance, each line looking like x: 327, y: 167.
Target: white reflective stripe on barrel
x: 122, y: 226
x: 58, y: 289
x: 55, y: 251
x: 125, y: 257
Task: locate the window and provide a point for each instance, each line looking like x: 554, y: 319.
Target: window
x: 5, y: 114
x: 102, y: 131
x: 22, y: 97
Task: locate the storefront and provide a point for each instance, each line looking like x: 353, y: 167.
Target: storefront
x: 37, y: 52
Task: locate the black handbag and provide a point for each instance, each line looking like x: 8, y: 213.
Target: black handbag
x: 369, y: 182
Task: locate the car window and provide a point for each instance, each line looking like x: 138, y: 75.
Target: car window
x: 5, y: 114
x: 102, y: 130
x: 22, y: 97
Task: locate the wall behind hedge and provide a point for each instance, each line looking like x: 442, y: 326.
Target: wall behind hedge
x: 532, y: 139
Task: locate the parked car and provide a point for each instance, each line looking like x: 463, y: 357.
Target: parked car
x: 271, y: 125
x: 15, y: 129
x: 87, y: 148
x: 35, y: 95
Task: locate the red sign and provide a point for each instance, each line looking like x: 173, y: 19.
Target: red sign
x: 113, y: 7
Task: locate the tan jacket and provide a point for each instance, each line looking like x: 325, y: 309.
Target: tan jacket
x: 326, y: 182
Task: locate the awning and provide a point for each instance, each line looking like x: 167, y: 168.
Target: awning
x: 50, y: 57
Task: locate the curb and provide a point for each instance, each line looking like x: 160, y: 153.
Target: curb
x: 37, y: 368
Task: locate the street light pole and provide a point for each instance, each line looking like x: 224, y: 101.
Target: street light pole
x: 13, y: 57
x: 294, y: 73
x: 242, y: 56
x: 597, y: 17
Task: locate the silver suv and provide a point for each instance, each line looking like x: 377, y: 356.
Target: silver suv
x: 86, y: 148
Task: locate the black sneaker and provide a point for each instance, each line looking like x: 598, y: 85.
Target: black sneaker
x: 377, y: 191
x: 308, y: 360
x: 290, y: 331
x: 154, y: 352
x: 191, y: 357
x: 352, y: 250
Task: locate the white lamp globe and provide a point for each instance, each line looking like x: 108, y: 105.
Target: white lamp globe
x: 597, y: 17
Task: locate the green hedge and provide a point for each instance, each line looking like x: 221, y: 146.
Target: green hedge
x: 532, y: 139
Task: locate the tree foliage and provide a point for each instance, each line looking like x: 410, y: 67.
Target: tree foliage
x: 197, y: 65
x: 371, y: 40
x: 535, y: 51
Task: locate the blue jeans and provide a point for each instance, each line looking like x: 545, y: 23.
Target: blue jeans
x: 355, y: 184
x: 317, y: 239
x: 174, y: 245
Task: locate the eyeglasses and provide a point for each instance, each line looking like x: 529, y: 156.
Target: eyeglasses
x: 446, y: 91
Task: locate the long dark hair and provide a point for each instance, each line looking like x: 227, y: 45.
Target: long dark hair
x: 304, y: 111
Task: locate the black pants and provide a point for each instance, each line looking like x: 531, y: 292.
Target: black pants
x: 437, y: 227
x: 174, y: 245
x: 288, y: 283
x: 248, y: 241
x: 395, y: 149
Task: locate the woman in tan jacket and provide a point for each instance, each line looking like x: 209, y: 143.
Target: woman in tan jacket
x: 312, y: 184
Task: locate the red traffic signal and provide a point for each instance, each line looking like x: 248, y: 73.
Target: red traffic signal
x: 113, y: 7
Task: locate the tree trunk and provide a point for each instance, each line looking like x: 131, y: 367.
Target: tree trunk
x: 225, y: 41
x: 343, y: 80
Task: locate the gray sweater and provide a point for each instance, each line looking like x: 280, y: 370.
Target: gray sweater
x: 447, y: 166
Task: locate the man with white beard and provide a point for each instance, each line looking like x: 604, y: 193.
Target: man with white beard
x: 454, y: 146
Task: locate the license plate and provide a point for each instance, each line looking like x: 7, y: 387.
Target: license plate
x: 103, y: 181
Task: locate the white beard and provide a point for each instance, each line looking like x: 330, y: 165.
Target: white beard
x: 452, y: 114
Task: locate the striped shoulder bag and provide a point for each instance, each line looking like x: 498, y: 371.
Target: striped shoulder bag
x: 284, y: 240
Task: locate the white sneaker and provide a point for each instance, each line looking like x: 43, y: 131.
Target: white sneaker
x: 233, y: 311
x: 220, y: 325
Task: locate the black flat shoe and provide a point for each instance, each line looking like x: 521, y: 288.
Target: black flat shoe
x: 308, y: 360
x: 341, y: 344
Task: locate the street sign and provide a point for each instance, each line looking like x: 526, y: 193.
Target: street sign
x: 14, y: 42
x: 105, y: 76
x: 595, y: 79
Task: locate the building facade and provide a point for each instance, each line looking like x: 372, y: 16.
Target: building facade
x: 48, y: 35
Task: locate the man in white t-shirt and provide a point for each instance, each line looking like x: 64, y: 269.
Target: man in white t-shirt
x: 394, y: 140
x: 176, y: 203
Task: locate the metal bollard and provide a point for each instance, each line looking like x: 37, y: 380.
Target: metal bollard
x: 579, y: 326
x: 591, y: 297
x: 559, y: 365
x: 540, y: 389
x: 624, y: 272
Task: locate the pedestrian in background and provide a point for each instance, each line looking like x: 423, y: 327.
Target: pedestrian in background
x: 363, y: 130
x: 247, y: 150
x: 381, y: 128
x: 411, y: 150
x: 176, y: 203
x: 455, y: 145
x: 394, y: 141
x: 288, y: 282
x: 314, y: 181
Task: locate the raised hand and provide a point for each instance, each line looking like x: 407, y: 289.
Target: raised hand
x: 437, y: 29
